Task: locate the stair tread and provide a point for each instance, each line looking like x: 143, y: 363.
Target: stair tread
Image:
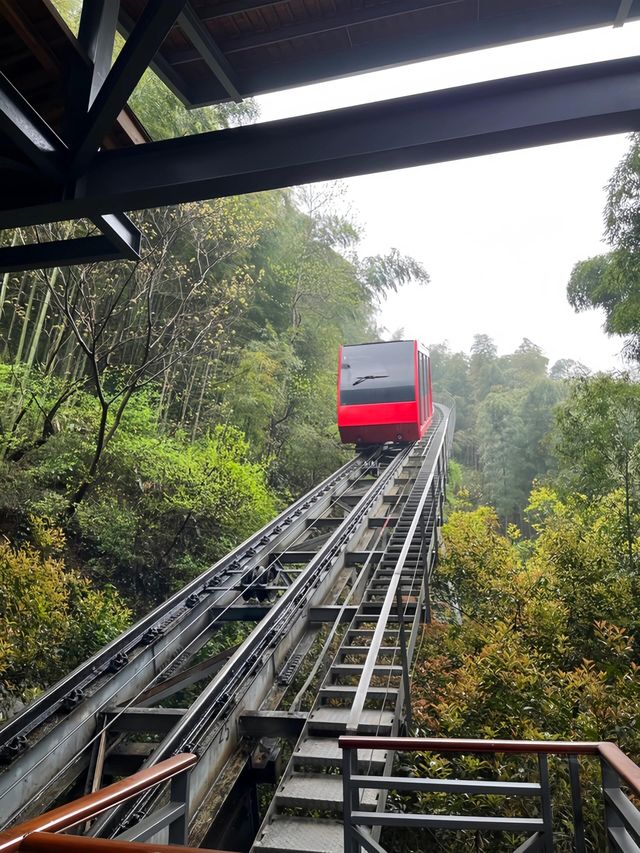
x: 312, y: 748
x: 320, y: 790
x: 382, y: 668
x: 301, y: 835
x: 336, y: 690
x: 340, y: 716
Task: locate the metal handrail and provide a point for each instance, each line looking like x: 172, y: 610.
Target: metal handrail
x: 88, y: 807
x: 608, y: 751
x: 622, y: 817
x: 378, y: 636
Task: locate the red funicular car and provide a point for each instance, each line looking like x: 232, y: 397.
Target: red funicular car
x: 384, y: 392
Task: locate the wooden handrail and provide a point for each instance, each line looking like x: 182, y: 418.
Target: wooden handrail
x: 609, y: 752
x: 47, y: 842
x: 86, y: 808
x: 621, y: 763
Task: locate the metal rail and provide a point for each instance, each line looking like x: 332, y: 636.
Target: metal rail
x: 51, y: 700
x: 311, y: 783
x: 164, y: 639
x: 89, y: 807
x: 622, y: 817
x: 316, y: 566
x: 207, y: 725
x: 427, y: 490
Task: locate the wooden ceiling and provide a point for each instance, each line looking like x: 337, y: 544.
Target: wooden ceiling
x: 229, y: 49
x: 38, y: 54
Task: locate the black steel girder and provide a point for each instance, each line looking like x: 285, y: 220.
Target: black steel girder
x: 37, y: 143
x: 32, y: 138
x: 201, y: 38
x: 133, y: 60
x: 58, y: 253
x: 98, y: 24
x: 500, y: 115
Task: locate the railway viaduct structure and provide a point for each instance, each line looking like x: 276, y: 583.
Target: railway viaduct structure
x: 339, y: 583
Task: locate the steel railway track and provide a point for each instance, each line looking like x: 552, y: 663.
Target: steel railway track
x: 300, y: 562
x: 53, y: 730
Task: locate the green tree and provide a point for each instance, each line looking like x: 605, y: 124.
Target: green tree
x: 485, y: 372
x: 598, y: 443
x: 500, y: 428
x: 611, y: 282
x: 50, y: 617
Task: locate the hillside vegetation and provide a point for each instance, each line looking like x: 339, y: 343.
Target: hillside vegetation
x: 537, y: 596
x: 153, y: 415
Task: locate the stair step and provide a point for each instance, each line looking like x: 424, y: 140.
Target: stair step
x: 325, y: 752
x: 301, y: 835
x: 355, y: 669
x: 320, y: 791
x: 368, y: 632
x: 364, y: 650
x: 345, y: 691
x: 372, y: 720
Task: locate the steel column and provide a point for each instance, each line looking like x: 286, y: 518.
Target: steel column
x: 150, y: 31
x: 576, y: 803
x: 97, y: 32
x: 405, y: 660
x: 545, y: 801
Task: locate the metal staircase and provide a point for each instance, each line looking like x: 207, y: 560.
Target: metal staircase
x: 366, y: 687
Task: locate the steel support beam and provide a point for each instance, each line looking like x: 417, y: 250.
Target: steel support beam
x: 484, y: 118
x: 623, y: 12
x: 58, y: 253
x: 122, y: 234
x: 260, y: 724
x: 207, y: 49
x: 143, y: 720
x: 33, y: 137
x: 150, y: 31
x: 97, y: 32
x: 30, y: 133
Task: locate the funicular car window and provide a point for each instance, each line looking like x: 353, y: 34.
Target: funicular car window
x: 377, y: 373
x: 423, y: 386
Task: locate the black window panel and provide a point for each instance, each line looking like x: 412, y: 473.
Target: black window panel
x: 377, y: 373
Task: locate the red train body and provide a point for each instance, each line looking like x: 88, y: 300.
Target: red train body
x: 384, y: 392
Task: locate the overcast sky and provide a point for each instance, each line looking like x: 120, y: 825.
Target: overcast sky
x: 499, y: 234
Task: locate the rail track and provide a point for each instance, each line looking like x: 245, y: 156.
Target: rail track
x: 323, y: 563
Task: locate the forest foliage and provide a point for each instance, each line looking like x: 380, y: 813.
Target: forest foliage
x: 505, y: 410
x: 153, y: 415
x: 536, y: 633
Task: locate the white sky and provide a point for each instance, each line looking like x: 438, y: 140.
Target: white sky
x: 498, y: 234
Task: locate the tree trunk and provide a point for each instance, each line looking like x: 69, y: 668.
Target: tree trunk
x: 627, y: 508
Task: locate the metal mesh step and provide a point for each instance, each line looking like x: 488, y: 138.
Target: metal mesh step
x: 301, y: 835
x: 371, y: 720
x: 320, y: 791
x: 326, y: 752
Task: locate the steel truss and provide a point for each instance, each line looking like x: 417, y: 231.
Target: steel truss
x: 104, y: 719
x: 55, y: 179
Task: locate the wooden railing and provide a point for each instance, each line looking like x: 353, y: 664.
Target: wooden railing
x: 622, y: 818
x: 38, y: 835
